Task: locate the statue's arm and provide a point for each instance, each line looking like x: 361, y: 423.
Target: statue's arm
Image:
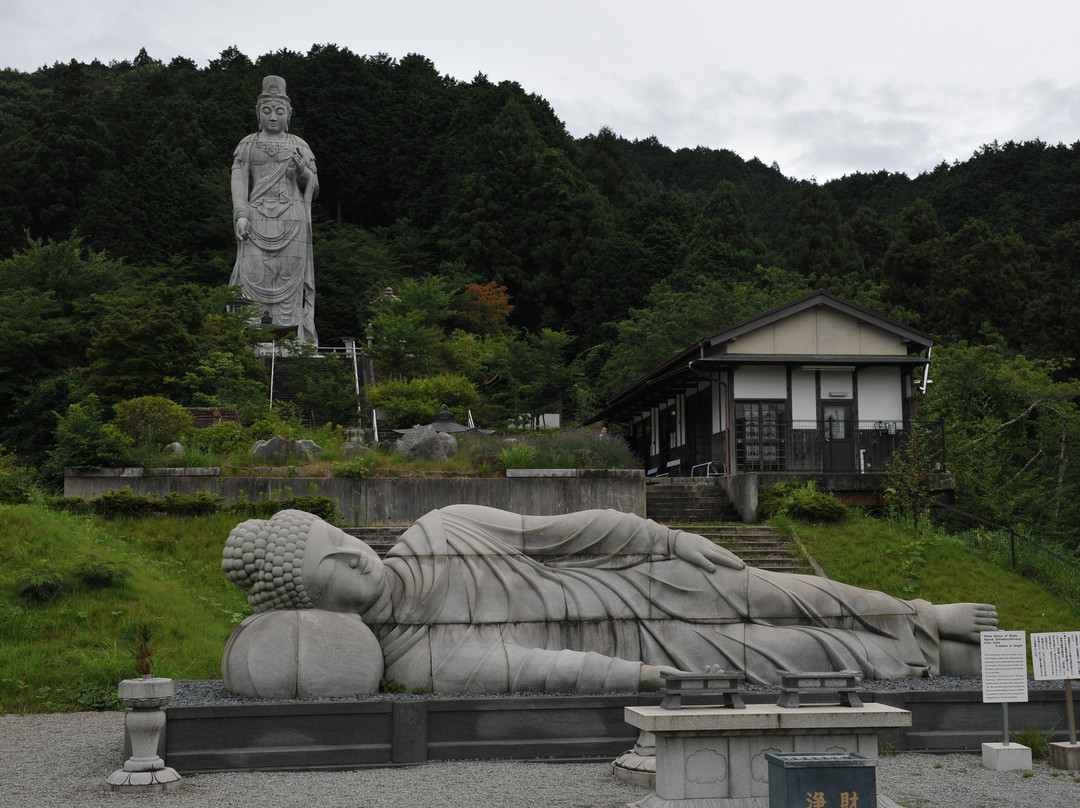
x: 518, y: 669
x: 238, y: 185
x: 578, y: 672
x: 594, y: 538
x: 611, y: 534
x: 307, y: 173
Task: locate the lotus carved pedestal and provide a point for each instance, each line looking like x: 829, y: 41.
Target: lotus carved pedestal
x: 143, y: 723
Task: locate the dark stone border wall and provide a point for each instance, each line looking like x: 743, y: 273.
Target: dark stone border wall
x: 361, y: 734
x: 365, y: 734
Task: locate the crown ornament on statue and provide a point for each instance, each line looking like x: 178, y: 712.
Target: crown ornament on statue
x: 273, y: 87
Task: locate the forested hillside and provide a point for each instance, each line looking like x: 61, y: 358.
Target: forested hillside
x: 538, y: 271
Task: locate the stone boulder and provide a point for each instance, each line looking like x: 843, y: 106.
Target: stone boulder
x: 350, y: 450
x: 424, y: 443
x: 282, y: 450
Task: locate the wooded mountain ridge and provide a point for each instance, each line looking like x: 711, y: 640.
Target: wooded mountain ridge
x: 423, y: 174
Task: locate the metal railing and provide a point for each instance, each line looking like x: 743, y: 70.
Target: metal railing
x: 835, y: 446
x: 1007, y: 547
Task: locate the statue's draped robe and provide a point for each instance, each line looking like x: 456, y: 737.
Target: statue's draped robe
x: 489, y: 601
x: 274, y: 264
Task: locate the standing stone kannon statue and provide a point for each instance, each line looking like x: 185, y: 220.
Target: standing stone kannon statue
x: 473, y: 599
x: 274, y: 181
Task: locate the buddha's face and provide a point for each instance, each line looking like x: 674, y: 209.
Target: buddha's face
x: 340, y: 572
x: 274, y: 117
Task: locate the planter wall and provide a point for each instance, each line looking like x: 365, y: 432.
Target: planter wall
x: 388, y: 501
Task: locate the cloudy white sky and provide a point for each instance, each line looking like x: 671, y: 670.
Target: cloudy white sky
x: 822, y: 88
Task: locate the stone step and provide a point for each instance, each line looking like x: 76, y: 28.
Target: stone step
x: 670, y: 500
x: 759, y: 546
x: 379, y: 539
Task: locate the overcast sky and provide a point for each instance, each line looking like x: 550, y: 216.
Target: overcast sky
x: 822, y: 88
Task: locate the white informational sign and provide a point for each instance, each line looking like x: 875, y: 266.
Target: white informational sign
x: 1056, y: 655
x: 1004, y: 666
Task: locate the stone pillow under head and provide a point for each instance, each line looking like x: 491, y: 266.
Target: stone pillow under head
x: 302, y: 654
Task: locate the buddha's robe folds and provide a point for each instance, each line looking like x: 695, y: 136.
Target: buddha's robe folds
x: 274, y: 264
x: 489, y: 601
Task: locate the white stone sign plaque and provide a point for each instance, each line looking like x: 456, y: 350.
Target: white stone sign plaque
x: 1056, y: 655
x: 1004, y: 667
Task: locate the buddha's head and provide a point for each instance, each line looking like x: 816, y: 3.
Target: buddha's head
x: 295, y: 560
x: 273, y: 108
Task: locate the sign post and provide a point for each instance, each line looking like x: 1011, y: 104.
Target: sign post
x: 1004, y: 680
x: 1056, y: 655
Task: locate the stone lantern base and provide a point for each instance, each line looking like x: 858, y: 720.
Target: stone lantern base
x: 144, y: 770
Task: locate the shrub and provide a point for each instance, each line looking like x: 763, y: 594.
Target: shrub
x: 16, y: 486
x: 84, y: 442
x: 521, y: 456
x: 407, y: 402
x: 76, y: 505
x: 355, y: 468
x: 95, y: 573
x: 122, y: 503
x: 323, y: 507
x: 801, y: 502
x: 41, y: 585
x: 579, y: 448
x: 152, y: 419
x: 1038, y: 740
x: 200, y: 503
x: 224, y: 438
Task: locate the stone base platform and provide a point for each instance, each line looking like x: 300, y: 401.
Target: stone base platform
x: 1065, y: 755
x: 1002, y: 757
x: 715, y: 757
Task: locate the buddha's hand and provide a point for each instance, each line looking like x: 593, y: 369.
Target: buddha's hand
x: 651, y: 678
x: 703, y: 553
x: 298, y: 164
x: 241, y: 228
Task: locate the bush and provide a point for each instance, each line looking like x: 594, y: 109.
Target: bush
x: 521, y: 456
x: 95, y: 573
x: 16, y: 486
x: 153, y: 420
x: 355, y: 468
x: 201, y: 503
x: 323, y: 507
x: 40, y: 585
x: 579, y: 448
x: 84, y: 442
x: 224, y: 438
x: 407, y: 402
x: 74, y: 505
x: 122, y: 503
x: 800, y: 502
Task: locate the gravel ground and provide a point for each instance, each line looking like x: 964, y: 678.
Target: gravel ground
x: 63, y: 760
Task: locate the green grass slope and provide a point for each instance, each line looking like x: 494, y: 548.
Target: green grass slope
x: 68, y: 653
x: 890, y: 556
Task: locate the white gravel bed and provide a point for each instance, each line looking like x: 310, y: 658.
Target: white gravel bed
x: 62, y: 760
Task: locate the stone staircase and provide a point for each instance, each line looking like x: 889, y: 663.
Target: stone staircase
x: 699, y: 506
x: 679, y: 500
x: 759, y: 546
x: 379, y: 539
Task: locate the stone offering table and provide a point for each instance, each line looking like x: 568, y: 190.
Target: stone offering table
x: 714, y: 757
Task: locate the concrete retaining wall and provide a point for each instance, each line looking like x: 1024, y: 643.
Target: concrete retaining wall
x: 389, y: 501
